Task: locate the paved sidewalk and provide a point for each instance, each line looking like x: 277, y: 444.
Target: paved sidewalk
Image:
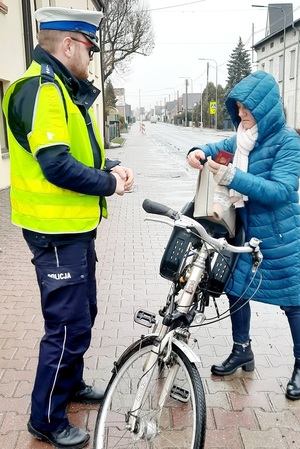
x: 245, y: 410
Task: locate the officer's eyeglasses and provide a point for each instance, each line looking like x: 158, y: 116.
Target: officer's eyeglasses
x: 90, y: 46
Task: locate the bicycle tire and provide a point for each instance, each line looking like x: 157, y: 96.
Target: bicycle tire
x: 182, y: 424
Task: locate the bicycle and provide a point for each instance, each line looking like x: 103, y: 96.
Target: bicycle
x: 155, y: 397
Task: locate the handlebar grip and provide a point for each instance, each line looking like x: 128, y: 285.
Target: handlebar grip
x: 152, y: 207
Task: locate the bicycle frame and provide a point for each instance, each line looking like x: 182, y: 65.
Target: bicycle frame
x: 166, y: 337
x: 158, y: 373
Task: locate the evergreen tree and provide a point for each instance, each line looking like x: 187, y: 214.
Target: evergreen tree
x: 239, y: 65
x: 208, y: 95
x: 110, y: 99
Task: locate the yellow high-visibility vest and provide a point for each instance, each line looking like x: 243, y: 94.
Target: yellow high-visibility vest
x: 36, y: 203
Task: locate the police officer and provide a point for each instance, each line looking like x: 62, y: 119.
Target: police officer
x: 59, y: 180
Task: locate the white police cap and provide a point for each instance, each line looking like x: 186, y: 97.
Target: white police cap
x: 66, y: 19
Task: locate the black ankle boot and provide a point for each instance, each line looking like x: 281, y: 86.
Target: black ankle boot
x: 240, y: 357
x: 293, y: 387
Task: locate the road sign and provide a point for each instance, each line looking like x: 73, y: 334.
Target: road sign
x: 212, y: 107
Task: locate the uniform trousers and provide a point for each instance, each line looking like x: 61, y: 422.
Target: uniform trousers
x: 66, y: 278
x: 240, y: 314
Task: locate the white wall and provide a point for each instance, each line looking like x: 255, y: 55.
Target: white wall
x: 291, y: 81
x: 12, y: 63
x: 12, y: 56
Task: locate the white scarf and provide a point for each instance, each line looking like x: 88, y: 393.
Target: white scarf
x: 246, y: 139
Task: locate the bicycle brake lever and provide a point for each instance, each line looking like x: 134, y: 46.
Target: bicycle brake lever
x: 257, y: 256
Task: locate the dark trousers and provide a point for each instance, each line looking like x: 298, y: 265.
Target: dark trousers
x: 66, y: 277
x: 240, y: 314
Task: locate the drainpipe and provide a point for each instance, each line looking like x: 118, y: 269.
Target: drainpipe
x: 296, y: 75
x: 99, y: 5
x: 27, y: 26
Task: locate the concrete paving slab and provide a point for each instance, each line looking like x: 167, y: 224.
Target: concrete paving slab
x: 245, y: 410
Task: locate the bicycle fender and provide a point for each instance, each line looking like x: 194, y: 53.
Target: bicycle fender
x: 133, y: 345
x: 186, y: 350
x: 180, y: 344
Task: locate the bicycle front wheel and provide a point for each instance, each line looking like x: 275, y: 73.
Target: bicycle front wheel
x: 179, y: 423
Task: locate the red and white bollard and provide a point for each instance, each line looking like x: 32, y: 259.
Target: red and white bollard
x: 143, y: 128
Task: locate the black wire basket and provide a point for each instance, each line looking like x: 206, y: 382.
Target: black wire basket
x: 177, y: 250
x: 181, y: 244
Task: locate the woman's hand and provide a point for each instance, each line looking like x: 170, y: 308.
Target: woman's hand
x: 223, y: 174
x: 194, y: 158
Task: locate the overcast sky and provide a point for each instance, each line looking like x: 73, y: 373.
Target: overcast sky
x: 185, y: 33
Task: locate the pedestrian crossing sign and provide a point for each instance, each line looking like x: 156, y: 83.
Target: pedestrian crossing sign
x: 212, y: 107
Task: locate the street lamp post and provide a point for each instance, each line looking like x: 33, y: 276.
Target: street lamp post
x: 175, y: 97
x: 210, y: 59
x: 201, y: 109
x: 140, y: 106
x: 186, y: 96
x: 172, y: 88
x: 284, y: 43
x: 186, y: 102
x: 194, y: 105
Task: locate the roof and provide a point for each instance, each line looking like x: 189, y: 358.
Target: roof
x: 295, y: 24
x: 280, y: 16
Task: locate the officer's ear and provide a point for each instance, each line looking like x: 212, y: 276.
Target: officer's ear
x: 68, y: 47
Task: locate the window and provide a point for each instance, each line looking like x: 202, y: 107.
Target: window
x: 3, y: 131
x: 271, y: 44
x: 280, y: 74
x: 263, y: 49
x: 292, y: 63
x: 271, y: 66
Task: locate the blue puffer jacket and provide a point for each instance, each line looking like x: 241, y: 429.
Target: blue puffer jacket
x: 272, y: 212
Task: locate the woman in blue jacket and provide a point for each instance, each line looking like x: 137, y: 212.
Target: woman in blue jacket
x: 262, y: 182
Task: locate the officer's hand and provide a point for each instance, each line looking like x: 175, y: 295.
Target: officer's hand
x: 120, y: 184
x: 194, y: 158
x: 126, y: 174
x: 129, y: 178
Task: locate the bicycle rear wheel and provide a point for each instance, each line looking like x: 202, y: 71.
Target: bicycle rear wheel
x: 181, y: 424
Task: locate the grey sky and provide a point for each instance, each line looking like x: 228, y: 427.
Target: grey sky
x: 192, y: 30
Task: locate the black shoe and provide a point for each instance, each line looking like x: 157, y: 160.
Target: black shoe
x: 69, y: 438
x: 293, y: 387
x: 240, y: 357
x: 89, y: 395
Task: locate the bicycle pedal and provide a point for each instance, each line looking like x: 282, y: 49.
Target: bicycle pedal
x: 145, y: 318
x: 180, y: 394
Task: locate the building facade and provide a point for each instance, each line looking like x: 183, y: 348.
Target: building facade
x: 15, y: 56
x: 278, y: 54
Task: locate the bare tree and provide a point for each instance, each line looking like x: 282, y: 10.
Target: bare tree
x: 125, y: 30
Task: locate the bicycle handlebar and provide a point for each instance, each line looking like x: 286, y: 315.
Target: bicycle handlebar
x: 181, y: 220
x: 159, y: 209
